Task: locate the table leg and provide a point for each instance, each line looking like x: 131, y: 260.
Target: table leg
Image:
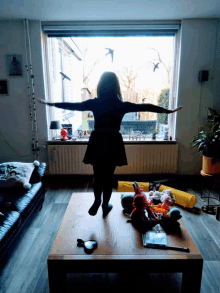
x: 57, y: 277
x: 191, y: 278
x: 126, y: 282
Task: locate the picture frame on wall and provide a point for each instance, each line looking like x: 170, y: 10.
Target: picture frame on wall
x: 3, y: 88
x: 14, y: 65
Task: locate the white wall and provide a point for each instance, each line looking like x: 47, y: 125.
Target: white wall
x: 198, y: 43
x: 15, y: 123
x: 198, y: 47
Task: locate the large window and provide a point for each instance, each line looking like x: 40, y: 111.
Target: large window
x: 147, y: 67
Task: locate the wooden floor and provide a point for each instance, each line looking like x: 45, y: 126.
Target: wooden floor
x: 26, y: 269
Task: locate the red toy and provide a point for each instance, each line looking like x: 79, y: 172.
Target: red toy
x: 141, y: 205
x: 64, y: 133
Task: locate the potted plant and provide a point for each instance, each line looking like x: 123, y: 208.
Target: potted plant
x: 154, y: 133
x: 208, y: 142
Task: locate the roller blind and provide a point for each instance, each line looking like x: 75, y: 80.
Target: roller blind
x: 131, y: 28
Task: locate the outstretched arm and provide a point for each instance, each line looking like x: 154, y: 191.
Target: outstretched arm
x: 132, y: 107
x: 81, y: 106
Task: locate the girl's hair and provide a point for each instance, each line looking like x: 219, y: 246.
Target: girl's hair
x: 108, y: 86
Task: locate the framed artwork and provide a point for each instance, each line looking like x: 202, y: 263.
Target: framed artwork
x: 14, y: 65
x: 3, y: 87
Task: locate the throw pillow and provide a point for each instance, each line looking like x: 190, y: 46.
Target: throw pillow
x: 15, y: 174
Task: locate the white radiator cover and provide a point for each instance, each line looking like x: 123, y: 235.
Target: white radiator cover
x: 142, y: 159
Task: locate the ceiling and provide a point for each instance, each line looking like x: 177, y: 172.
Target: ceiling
x: 70, y: 10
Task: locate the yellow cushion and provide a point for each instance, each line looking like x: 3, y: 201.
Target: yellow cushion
x: 182, y: 198
x: 185, y: 199
x: 126, y: 186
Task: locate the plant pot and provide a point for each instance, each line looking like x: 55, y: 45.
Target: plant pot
x: 153, y: 136
x: 208, y: 167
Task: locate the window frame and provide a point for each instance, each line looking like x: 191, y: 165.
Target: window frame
x: 123, y: 28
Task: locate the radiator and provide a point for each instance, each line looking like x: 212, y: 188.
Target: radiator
x: 142, y: 159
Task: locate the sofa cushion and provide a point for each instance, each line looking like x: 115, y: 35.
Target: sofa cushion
x: 15, y: 174
x: 38, y: 173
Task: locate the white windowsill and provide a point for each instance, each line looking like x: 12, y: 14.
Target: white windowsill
x: 126, y: 141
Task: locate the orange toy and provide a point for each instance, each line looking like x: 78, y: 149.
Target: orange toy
x: 163, y: 208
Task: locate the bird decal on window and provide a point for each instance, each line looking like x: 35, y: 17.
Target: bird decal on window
x: 156, y: 66
x: 111, y: 52
x: 64, y: 76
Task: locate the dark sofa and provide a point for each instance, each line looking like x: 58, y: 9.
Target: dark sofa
x: 18, y: 206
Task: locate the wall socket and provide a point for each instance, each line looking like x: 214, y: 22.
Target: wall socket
x: 203, y: 75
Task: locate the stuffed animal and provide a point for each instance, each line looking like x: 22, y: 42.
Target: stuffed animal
x: 161, y: 203
x: 154, y: 197
x: 157, y: 197
x: 163, y: 208
x: 127, y: 201
x: 142, y: 216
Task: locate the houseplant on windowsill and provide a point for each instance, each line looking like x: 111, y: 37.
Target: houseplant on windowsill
x: 208, y: 142
x: 154, y: 133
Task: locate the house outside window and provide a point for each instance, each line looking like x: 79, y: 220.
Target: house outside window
x: 65, y: 70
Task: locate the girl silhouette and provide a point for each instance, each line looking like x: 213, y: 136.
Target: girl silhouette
x: 105, y: 150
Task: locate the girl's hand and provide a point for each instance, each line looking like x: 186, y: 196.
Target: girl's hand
x: 45, y: 103
x: 177, y: 109
x: 41, y: 101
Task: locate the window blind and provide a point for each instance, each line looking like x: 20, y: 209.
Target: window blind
x: 131, y: 28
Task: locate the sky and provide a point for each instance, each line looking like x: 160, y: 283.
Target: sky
x: 132, y: 52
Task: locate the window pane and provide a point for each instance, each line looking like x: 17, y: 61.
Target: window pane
x: 143, y: 64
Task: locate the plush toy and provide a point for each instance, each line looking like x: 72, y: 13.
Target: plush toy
x: 154, y: 197
x: 142, y: 216
x: 163, y: 208
x: 127, y: 201
x: 171, y: 222
x: 157, y: 197
x: 161, y: 203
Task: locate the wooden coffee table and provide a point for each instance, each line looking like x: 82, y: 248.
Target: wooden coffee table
x: 119, y: 247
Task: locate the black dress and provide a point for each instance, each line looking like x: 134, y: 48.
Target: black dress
x: 105, y: 148
x: 106, y: 144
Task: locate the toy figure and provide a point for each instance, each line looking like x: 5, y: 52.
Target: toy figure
x: 170, y: 221
x: 147, y: 212
x: 157, y: 197
x: 127, y: 199
x: 151, y: 212
x: 163, y: 208
x: 64, y: 133
x: 167, y: 216
x: 126, y: 202
x: 142, y: 216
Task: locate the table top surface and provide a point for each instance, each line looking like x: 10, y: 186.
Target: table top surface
x: 116, y: 237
